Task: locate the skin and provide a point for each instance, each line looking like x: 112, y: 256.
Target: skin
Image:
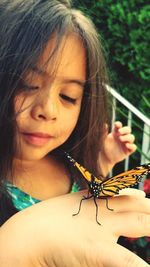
x: 118, y: 145
x: 58, y: 239
x: 122, y: 139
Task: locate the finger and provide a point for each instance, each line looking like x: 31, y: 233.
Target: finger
x: 115, y: 256
x: 132, y: 192
x: 131, y: 148
x: 130, y: 224
x: 120, y: 205
x: 130, y: 138
x: 117, y: 125
x: 135, y: 202
x: 125, y: 130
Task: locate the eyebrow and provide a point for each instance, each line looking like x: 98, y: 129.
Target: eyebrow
x: 43, y: 72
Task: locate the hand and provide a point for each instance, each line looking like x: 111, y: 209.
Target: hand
x: 46, y: 234
x: 118, y: 145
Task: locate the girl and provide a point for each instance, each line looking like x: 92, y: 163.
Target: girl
x: 53, y: 99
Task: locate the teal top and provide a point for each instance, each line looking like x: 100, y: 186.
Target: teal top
x: 22, y: 200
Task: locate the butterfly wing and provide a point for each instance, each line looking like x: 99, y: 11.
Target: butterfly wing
x: 113, y: 185
x: 140, y: 170
x: 126, y: 179
x: 87, y: 175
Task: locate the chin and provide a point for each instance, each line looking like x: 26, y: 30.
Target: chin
x: 31, y: 156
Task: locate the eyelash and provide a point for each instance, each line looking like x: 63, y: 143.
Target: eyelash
x: 26, y: 86
x: 68, y: 99
x: 64, y: 97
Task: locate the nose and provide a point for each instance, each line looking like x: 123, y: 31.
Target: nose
x: 45, y: 107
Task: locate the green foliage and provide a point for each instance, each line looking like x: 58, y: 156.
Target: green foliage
x: 125, y: 31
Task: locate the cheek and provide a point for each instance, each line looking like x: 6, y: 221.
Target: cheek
x: 22, y: 106
x: 22, y: 102
x: 18, y: 102
x: 69, y: 121
x: 22, y: 113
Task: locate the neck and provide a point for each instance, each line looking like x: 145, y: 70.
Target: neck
x: 24, y: 168
x: 25, y: 165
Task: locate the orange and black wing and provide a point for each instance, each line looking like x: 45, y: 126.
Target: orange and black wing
x: 113, y: 185
x: 126, y: 179
x: 89, y: 177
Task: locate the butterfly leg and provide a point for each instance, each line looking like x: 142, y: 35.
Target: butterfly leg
x: 107, y: 204
x: 83, y: 198
x: 96, y: 211
x: 88, y: 194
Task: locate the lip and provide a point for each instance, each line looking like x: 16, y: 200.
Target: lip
x: 37, y: 138
x: 39, y: 134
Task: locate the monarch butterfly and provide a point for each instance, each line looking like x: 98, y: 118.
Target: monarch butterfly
x: 107, y: 188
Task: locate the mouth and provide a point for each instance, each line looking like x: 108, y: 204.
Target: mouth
x: 36, y: 139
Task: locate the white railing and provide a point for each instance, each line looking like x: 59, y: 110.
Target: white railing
x: 145, y: 146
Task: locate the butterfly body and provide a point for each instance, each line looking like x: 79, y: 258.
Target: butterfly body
x: 95, y: 189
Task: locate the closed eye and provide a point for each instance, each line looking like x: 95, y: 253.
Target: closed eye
x: 68, y: 98
x: 23, y: 85
x: 29, y: 87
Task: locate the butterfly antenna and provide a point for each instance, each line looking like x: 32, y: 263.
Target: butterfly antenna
x: 69, y: 157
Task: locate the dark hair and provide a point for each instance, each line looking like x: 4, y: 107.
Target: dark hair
x: 26, y: 27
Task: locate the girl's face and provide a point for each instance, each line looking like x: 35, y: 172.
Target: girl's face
x: 48, y: 113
